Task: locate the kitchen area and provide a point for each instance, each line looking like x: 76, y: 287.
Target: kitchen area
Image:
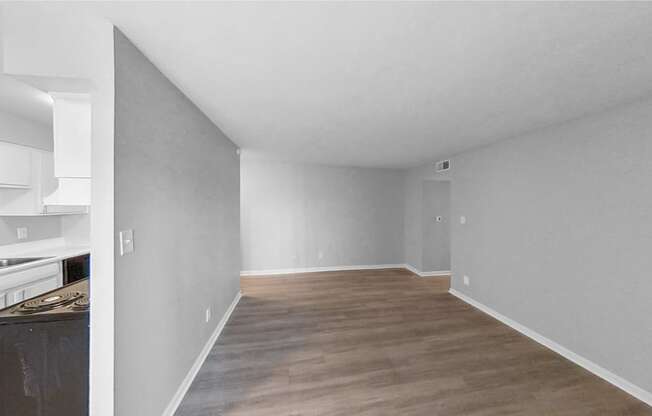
x: 45, y: 177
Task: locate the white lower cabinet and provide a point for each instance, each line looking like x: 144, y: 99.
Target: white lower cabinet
x: 35, y: 289
x: 19, y: 286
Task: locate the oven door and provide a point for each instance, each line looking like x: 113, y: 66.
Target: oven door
x: 76, y: 268
x: 44, y: 368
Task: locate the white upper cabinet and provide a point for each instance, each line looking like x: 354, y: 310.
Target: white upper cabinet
x: 72, y: 150
x: 15, y: 166
x: 29, y: 199
x: 72, y: 135
x: 36, y: 182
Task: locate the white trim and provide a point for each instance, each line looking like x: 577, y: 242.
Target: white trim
x: 437, y: 273
x: 273, y: 272
x: 192, y: 373
x: 276, y: 272
x: 411, y: 268
x: 621, y: 383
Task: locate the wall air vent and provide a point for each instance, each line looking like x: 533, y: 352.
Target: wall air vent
x: 443, y: 165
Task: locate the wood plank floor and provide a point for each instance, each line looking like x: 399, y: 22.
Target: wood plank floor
x: 384, y: 342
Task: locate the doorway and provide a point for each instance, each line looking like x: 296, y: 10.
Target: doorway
x: 436, y: 244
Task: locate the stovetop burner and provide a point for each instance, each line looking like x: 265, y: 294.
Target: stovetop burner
x: 56, y: 305
x: 82, y: 303
x: 48, y: 302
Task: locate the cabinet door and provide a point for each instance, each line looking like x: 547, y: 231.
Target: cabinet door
x: 48, y: 183
x: 25, y: 201
x: 35, y: 289
x: 15, y: 166
x: 24, y: 284
x: 41, y: 287
x: 72, y: 135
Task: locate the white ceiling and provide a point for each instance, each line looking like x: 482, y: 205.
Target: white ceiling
x: 392, y: 84
x: 25, y: 101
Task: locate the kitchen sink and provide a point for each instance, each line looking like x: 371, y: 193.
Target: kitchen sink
x: 16, y: 261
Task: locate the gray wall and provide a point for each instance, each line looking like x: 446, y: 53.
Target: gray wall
x: 38, y: 228
x: 19, y: 130
x: 436, y: 235
x: 177, y: 186
x: 76, y: 229
x: 299, y: 216
x: 559, y: 235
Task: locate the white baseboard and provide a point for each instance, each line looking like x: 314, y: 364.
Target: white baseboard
x: 187, y: 381
x: 273, y: 272
x: 411, y: 268
x: 276, y: 272
x: 621, y: 383
x: 419, y: 273
x: 437, y: 273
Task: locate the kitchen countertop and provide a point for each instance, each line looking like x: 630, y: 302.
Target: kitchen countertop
x: 56, y: 249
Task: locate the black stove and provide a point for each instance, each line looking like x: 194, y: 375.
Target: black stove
x: 44, y: 350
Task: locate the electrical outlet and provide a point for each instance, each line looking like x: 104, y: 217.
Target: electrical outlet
x: 21, y: 233
x: 462, y: 219
x: 208, y: 314
x: 320, y: 254
x: 467, y: 280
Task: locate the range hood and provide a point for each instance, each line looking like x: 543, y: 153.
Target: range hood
x: 72, y: 150
x: 70, y: 192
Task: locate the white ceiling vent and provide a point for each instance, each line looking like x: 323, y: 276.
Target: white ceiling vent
x: 443, y: 165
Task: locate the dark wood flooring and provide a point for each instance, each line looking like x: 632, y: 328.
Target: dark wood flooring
x: 384, y: 342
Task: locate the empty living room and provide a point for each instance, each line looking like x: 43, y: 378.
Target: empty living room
x: 342, y: 208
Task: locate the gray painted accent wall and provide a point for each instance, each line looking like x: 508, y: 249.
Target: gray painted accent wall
x: 559, y: 234
x: 177, y: 186
x: 302, y: 216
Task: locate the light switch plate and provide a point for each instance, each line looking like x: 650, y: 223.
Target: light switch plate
x: 126, y: 242
x: 462, y: 219
x: 438, y: 218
